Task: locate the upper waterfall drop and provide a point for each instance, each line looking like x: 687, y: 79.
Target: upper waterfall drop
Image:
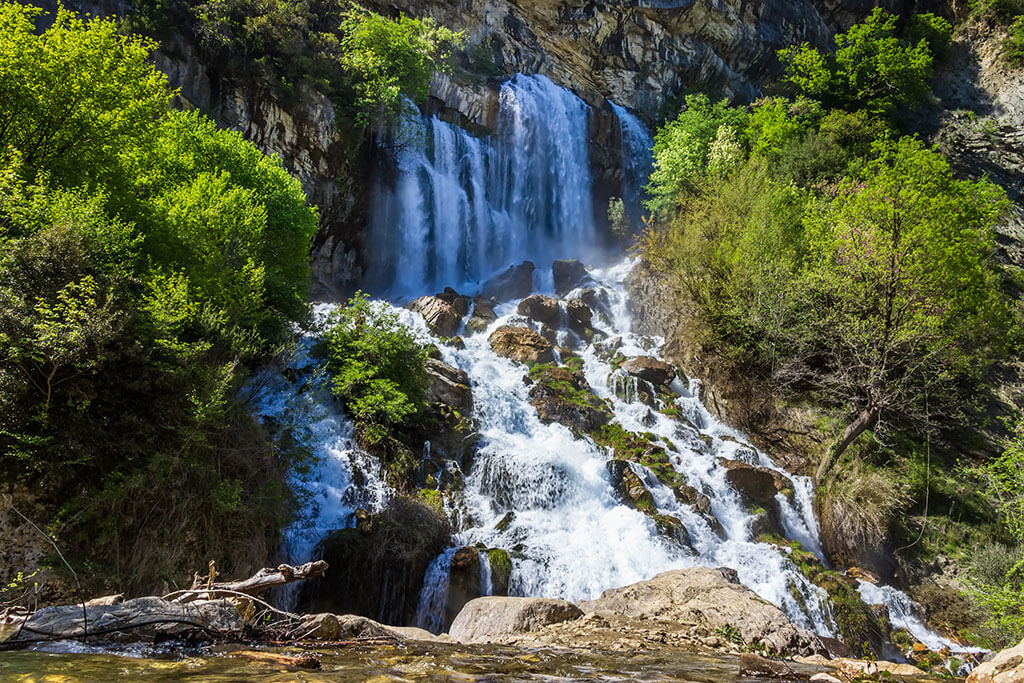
x: 458, y: 207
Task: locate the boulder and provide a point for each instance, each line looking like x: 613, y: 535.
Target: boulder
x: 757, y: 486
x: 629, y: 488
x: 441, y: 316
x: 580, y: 316
x: 448, y: 385
x: 140, y: 619
x: 483, y: 315
x: 568, y: 275
x: 541, y: 308
x: 463, y: 581
x: 490, y: 619
x: 564, y: 396
x: 756, y: 666
x: 705, y: 596
x: 458, y: 302
x: 650, y: 369
x: 377, y: 569
x: 515, y: 283
x: 1006, y: 667
x: 521, y: 344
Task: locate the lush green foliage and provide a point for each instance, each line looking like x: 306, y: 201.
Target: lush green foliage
x: 377, y: 368
x: 1001, y: 588
x: 873, y: 67
x: 147, y: 258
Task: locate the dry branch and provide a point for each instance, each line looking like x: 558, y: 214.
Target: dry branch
x: 261, y: 581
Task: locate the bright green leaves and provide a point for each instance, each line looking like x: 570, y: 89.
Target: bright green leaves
x: 376, y: 365
x: 388, y: 58
x: 873, y: 67
x: 73, y: 96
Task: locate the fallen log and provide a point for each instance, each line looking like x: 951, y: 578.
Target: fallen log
x: 260, y: 582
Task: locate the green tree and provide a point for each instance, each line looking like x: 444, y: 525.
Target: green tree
x: 873, y: 67
x: 900, y: 260
x: 376, y: 366
x: 682, y: 148
x: 75, y: 94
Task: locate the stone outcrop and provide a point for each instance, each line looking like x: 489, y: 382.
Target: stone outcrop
x: 541, y: 308
x: 377, y: 568
x: 521, y: 344
x: 705, y: 596
x: 564, y: 396
x: 514, y: 283
x: 441, y: 316
x: 568, y: 275
x: 492, y: 619
x: 651, y: 370
x: 627, y: 485
x: 1006, y: 667
x: 483, y: 315
x: 448, y: 385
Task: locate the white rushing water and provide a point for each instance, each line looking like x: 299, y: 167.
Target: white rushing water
x: 571, y: 535
x: 457, y: 209
x: 461, y: 207
x: 637, y: 163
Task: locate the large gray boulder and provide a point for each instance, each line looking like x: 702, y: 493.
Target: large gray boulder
x: 493, y: 619
x: 650, y: 369
x: 703, y: 595
x: 541, y: 308
x: 448, y: 385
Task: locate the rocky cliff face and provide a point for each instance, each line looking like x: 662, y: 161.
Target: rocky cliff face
x: 639, y: 54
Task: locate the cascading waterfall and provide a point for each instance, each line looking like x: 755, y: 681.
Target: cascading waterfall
x: 572, y: 537
x: 338, y: 477
x: 461, y: 207
x: 637, y: 163
x: 458, y: 209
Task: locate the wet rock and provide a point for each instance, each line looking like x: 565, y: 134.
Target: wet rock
x: 876, y: 669
x: 521, y: 344
x: 541, y: 308
x: 448, y: 385
x: 650, y: 369
x: 490, y: 619
x: 1006, y: 667
x: 700, y: 503
x: 629, y: 487
x: 703, y: 596
x: 483, y: 315
x: 463, y: 581
x: 579, y: 314
x: 378, y: 571
x: 458, y: 302
x: 671, y: 528
x: 501, y: 570
x: 595, y: 299
x: 755, y: 666
x: 140, y: 619
x: 515, y: 283
x: 322, y: 626
x: 563, y: 396
x: 568, y: 275
x: 441, y: 317
x: 756, y: 485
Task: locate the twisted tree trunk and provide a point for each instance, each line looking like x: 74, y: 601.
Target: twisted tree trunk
x: 867, y: 419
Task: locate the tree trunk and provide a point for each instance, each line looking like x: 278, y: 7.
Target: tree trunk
x: 866, y: 420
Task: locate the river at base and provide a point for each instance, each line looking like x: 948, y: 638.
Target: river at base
x: 404, y: 662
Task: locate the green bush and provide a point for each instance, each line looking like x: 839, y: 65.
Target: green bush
x: 1013, y: 47
x: 377, y: 368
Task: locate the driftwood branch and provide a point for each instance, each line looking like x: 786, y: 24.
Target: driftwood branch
x: 261, y: 581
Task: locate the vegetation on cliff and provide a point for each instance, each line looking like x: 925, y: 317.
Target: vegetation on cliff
x: 843, y: 263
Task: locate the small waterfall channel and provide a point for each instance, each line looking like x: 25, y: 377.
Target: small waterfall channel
x: 460, y: 209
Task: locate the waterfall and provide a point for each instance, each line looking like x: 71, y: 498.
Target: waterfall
x: 637, y: 163
x: 460, y: 207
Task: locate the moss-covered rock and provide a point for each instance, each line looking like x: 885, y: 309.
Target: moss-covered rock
x: 501, y: 570
x: 630, y: 489
x: 564, y: 396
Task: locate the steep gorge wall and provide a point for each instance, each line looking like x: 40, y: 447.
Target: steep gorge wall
x: 641, y: 55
